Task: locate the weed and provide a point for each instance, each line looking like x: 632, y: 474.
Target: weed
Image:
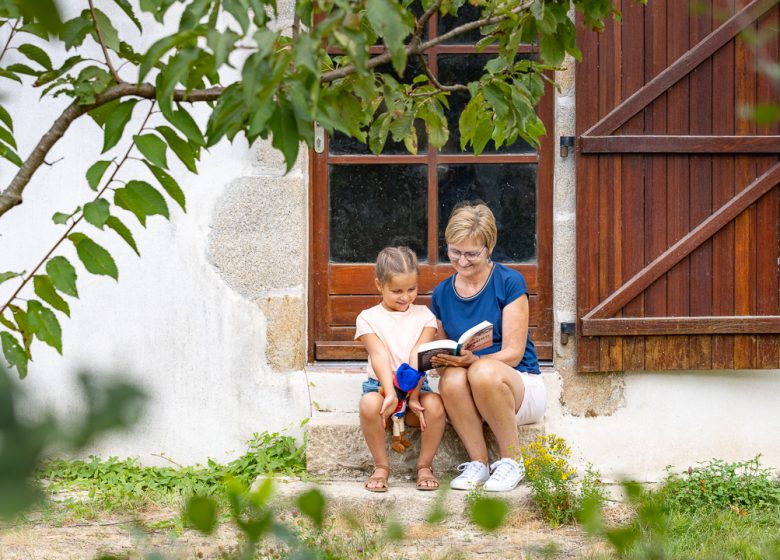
x: 556, y: 492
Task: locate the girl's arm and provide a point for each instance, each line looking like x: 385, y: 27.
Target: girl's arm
x: 380, y: 362
x: 428, y: 334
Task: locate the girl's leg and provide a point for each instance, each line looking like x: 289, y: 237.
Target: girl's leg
x: 431, y: 437
x: 374, y: 433
x: 463, y: 414
x: 498, y: 392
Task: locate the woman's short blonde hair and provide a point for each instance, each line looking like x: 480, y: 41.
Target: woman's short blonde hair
x: 472, y: 220
x: 395, y: 260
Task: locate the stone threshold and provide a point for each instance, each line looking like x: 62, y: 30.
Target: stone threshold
x: 360, y: 367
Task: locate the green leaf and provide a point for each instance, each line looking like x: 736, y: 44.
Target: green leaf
x: 14, y: 353
x: 7, y: 137
x: 107, y: 30
x: 44, y: 324
x: 142, y: 199
x: 153, y: 148
x: 193, y: 13
x: 9, y: 75
x: 201, y: 512
x: 128, y: 10
x: 5, y: 117
x: 95, y: 173
x: 95, y: 258
x: 75, y: 30
x: 182, y: 149
x: 5, y: 276
x: 116, y: 123
x: 221, y: 44
x: 285, y: 131
x: 238, y: 10
x: 44, y: 289
x: 116, y: 224
x: 24, y: 69
x: 182, y: 120
x: 52, y: 75
x: 155, y: 52
x: 482, y: 135
x: 489, y: 513
x: 97, y: 212
x: 169, y: 184
x: 36, y: 54
x: 62, y: 275
x: 10, y: 155
x: 312, y: 504
x: 100, y: 114
x: 176, y: 71
x: 387, y: 19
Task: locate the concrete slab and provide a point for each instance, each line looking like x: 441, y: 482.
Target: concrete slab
x: 336, y: 449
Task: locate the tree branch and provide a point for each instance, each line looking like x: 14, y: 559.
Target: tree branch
x: 114, y: 73
x: 438, y: 85
x: 12, y: 195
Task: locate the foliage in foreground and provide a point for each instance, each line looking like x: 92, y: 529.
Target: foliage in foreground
x: 122, y: 484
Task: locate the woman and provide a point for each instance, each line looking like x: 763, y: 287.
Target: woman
x: 500, y: 385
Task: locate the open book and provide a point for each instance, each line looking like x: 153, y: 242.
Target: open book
x: 476, y: 338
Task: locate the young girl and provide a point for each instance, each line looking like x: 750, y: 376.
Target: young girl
x: 391, y: 332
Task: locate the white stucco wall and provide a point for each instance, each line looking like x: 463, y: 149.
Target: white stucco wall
x: 174, y: 322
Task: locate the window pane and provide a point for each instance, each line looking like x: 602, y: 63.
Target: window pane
x: 510, y: 192
x: 462, y: 69
x: 341, y: 144
x: 373, y: 206
x: 466, y: 14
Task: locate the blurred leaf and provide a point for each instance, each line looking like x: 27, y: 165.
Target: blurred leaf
x: 36, y: 54
x: 62, y: 275
x: 75, y: 31
x: 17, y: 358
x: 312, y: 504
x: 176, y: 71
x: 5, y: 117
x: 95, y: 173
x: 201, y: 512
x: 97, y: 212
x: 128, y: 10
x: 182, y: 120
x: 44, y: 289
x: 4, y: 276
x: 45, y: 12
x: 153, y: 148
x: 116, y: 224
x: 143, y: 200
x: 95, y: 258
x: 181, y: 148
x: 44, y: 324
x: 489, y: 513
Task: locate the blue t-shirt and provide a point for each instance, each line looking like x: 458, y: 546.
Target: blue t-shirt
x: 458, y: 314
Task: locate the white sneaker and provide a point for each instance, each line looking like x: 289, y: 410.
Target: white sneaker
x: 472, y: 474
x: 507, y: 474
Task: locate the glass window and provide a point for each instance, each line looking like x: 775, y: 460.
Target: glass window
x: 510, y: 192
x: 373, y: 206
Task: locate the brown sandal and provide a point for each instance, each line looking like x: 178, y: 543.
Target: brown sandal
x: 424, y: 479
x: 375, y: 478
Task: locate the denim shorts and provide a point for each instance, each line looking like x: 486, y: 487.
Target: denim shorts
x: 372, y: 385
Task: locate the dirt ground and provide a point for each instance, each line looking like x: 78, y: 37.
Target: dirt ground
x: 157, y: 530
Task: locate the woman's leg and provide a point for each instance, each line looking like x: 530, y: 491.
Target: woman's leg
x: 456, y: 393
x: 497, y: 391
x: 374, y: 433
x: 431, y: 437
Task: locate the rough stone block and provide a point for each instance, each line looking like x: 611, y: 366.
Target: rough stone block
x: 284, y: 336
x: 336, y: 449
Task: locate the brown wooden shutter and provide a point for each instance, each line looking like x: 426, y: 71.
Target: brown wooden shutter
x: 677, y: 197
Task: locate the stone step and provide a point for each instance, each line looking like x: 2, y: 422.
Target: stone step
x: 336, y: 449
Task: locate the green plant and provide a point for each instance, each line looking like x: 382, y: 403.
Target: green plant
x: 740, y: 486
x: 112, y: 483
x: 556, y: 491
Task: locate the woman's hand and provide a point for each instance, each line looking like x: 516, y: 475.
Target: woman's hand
x: 417, y: 408
x: 463, y: 360
x: 388, y: 406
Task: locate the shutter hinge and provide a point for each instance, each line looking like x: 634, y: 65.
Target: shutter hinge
x: 567, y: 142
x: 566, y: 330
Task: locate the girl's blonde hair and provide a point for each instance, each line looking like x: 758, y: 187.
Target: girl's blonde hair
x: 472, y: 220
x: 395, y: 260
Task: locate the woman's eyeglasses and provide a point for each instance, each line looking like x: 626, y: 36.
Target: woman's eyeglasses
x: 470, y: 256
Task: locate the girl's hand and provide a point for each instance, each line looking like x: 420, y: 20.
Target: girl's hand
x: 446, y: 360
x: 388, y: 406
x: 417, y: 408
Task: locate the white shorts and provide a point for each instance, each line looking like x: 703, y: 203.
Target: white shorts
x: 534, y: 401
